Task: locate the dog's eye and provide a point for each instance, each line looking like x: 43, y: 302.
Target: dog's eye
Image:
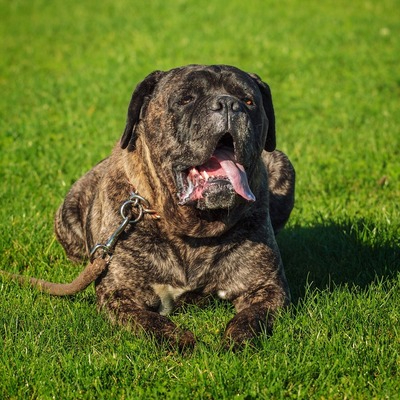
x: 186, y: 100
x: 248, y: 101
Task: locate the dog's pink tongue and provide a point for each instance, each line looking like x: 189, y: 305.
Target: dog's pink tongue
x: 223, y: 160
x: 238, y: 178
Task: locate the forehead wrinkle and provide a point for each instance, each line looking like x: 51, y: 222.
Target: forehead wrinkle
x: 214, y: 79
x: 203, y: 78
x: 217, y: 80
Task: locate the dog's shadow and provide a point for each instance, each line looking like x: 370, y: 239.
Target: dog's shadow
x: 328, y: 255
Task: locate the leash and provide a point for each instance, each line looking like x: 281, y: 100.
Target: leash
x: 85, y: 278
x: 97, y: 263
x: 142, y: 207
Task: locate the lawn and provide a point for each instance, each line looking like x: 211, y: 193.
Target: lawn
x: 67, y: 70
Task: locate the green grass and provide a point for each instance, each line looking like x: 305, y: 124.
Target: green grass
x: 67, y: 69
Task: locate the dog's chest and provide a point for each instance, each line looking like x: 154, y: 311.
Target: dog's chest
x: 197, y: 277
x: 186, y: 268
x: 168, y: 295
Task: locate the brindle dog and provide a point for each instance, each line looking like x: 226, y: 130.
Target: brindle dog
x: 199, y: 146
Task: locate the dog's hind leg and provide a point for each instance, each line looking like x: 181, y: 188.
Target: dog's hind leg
x: 69, y: 231
x: 71, y: 218
x: 281, y: 183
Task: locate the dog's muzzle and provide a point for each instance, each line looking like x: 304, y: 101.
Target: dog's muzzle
x: 216, y: 182
x: 220, y: 176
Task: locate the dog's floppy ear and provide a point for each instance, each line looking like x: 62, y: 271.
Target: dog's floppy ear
x: 270, y: 143
x: 137, y: 108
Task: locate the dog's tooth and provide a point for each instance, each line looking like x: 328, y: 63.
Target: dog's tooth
x: 180, y: 179
x: 190, y: 187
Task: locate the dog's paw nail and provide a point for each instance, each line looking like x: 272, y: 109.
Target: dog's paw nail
x: 186, y: 341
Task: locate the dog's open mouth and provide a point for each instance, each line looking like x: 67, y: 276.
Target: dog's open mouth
x: 220, y: 173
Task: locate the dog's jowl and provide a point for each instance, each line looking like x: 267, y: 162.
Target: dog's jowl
x: 199, y: 150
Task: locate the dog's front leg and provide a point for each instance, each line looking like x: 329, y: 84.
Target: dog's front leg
x: 256, y: 314
x: 123, y: 308
x: 158, y: 326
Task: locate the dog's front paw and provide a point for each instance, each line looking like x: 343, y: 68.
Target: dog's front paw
x: 245, y: 326
x: 183, y: 340
x: 163, y: 329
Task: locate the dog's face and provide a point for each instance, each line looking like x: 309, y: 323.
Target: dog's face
x: 211, y: 124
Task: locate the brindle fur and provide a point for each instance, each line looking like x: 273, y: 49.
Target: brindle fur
x: 224, y: 249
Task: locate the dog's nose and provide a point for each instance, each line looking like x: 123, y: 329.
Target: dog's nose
x: 225, y: 103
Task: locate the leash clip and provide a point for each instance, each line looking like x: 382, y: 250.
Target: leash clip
x: 126, y: 211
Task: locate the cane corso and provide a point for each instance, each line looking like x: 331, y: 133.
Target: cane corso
x: 199, y: 149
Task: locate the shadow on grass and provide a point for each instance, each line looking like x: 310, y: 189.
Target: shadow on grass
x: 325, y: 256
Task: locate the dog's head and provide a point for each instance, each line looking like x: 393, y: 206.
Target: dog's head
x: 205, y: 127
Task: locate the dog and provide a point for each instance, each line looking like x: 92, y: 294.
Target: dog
x: 210, y: 192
